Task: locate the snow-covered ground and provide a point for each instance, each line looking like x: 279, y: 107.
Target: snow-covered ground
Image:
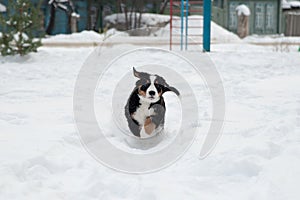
x: 273, y: 39
x: 257, y: 157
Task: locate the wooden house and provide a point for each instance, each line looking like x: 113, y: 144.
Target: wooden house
x: 265, y: 15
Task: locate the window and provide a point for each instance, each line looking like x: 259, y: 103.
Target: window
x: 259, y: 16
x: 232, y: 16
x: 269, y: 16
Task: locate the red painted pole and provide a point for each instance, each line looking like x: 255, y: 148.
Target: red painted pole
x: 171, y: 19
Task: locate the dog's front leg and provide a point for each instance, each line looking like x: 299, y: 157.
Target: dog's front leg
x: 149, y: 126
x: 158, y: 117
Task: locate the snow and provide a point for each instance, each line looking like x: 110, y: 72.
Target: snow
x: 62, y: 6
x: 74, y: 14
x: 243, y: 10
x: 294, y: 4
x: 84, y: 36
x: 218, y: 33
x: 277, y: 41
x: 2, y: 8
x: 18, y: 38
x: 290, y: 4
x: 221, y: 35
x: 257, y: 157
x: 272, y: 38
x: 148, y: 19
x: 62, y: 1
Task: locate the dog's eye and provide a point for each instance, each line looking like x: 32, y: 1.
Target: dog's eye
x: 158, y: 86
x: 144, y: 86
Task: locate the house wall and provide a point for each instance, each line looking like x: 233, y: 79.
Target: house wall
x: 82, y: 9
x: 265, y: 15
x: 219, y: 16
x: 5, y: 3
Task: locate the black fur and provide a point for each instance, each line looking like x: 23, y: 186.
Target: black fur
x: 130, y: 108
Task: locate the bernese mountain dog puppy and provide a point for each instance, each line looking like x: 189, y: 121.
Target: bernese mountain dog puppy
x: 145, y: 109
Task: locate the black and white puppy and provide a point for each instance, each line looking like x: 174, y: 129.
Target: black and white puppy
x: 145, y: 108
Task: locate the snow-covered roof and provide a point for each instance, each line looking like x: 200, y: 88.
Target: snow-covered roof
x: 2, y: 8
x: 290, y: 4
x: 243, y: 9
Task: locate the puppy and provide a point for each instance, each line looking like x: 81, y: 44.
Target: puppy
x: 145, y: 108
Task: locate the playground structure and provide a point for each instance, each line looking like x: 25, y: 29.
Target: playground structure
x: 184, y: 8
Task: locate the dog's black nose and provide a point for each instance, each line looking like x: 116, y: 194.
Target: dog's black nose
x: 152, y: 93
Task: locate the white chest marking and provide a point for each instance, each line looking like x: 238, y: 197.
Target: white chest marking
x: 143, y: 112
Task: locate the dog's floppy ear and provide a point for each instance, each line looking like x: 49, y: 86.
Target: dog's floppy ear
x: 172, y: 89
x: 136, y: 73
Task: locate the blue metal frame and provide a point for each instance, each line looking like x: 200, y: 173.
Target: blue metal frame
x: 184, y: 7
x: 186, y: 23
x: 206, y: 24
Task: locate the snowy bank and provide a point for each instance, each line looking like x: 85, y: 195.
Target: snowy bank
x: 149, y: 23
x: 148, y: 19
x: 84, y: 36
x: 218, y: 33
x: 154, y: 25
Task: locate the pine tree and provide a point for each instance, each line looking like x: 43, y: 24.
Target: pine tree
x: 19, y: 25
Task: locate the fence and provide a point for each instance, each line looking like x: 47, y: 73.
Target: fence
x: 292, y: 24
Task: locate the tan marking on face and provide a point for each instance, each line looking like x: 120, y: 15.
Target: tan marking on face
x: 160, y: 93
x: 141, y: 92
x: 149, y: 126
